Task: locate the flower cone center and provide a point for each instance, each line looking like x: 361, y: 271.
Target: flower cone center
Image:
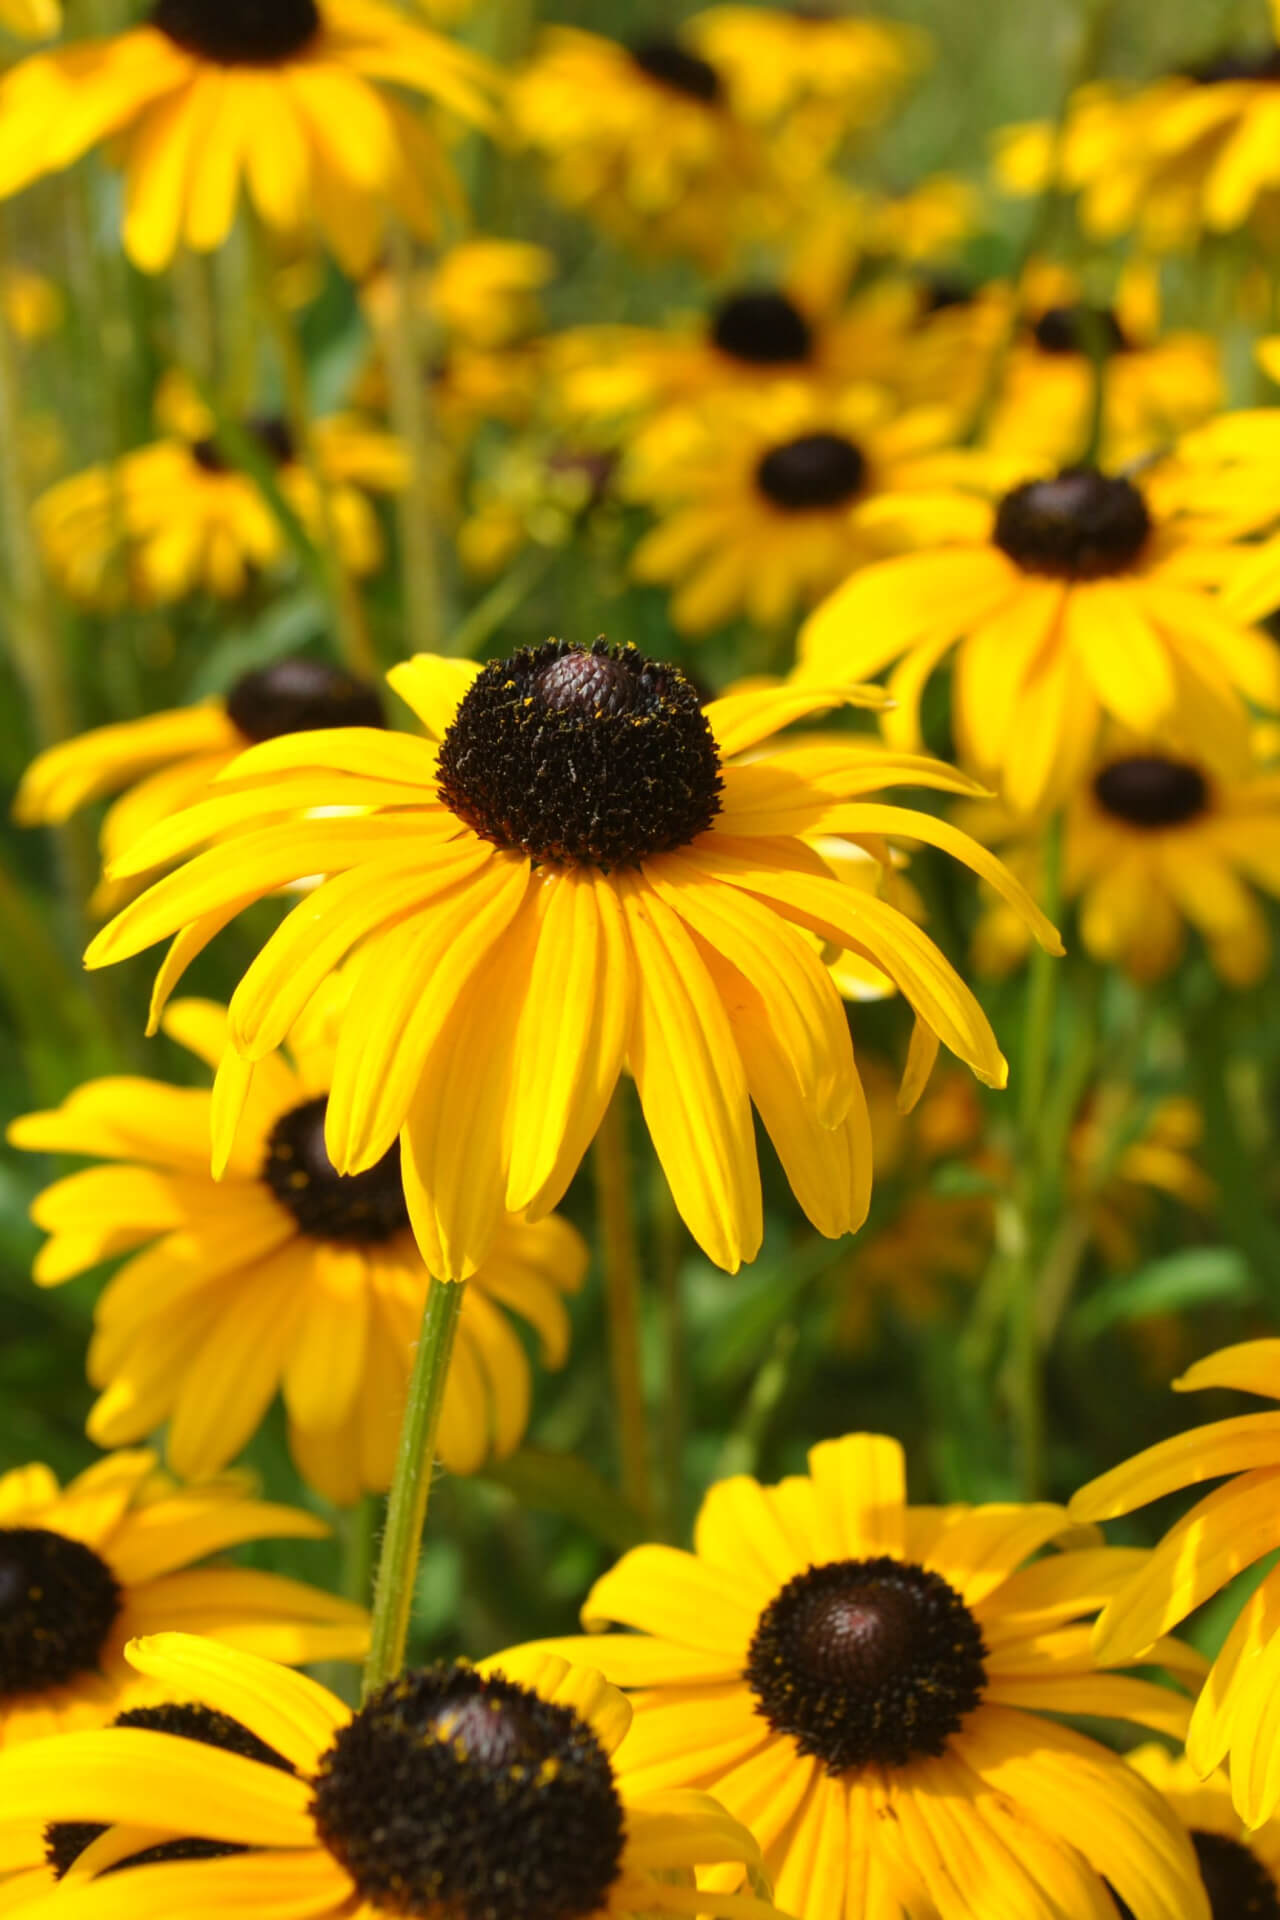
x: 58, y: 1604
x: 675, y: 67
x: 1081, y: 525
x: 1147, y: 791
x: 867, y: 1662
x: 300, y: 696
x: 762, y: 327
x: 817, y: 470
x: 450, y: 1794
x: 328, y: 1205
x: 235, y: 33
x: 1237, y: 1883
x: 1079, y: 329
x: 269, y: 434
x: 581, y: 756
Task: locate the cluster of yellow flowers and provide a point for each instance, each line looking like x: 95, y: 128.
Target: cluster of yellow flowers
x: 1011, y: 517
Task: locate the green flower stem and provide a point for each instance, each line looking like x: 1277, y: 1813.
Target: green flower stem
x: 472, y: 635
x: 411, y: 418
x: 615, y: 1218
x: 411, y: 1485
x: 351, y: 628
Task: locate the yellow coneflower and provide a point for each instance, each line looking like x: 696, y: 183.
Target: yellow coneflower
x: 115, y: 1553
x: 578, y: 875
x: 501, y: 1788
x: 174, y: 517
x: 876, y: 1688
x: 765, y: 504
x: 166, y: 761
x: 1079, y: 596
x: 1225, y: 1532
x: 1240, y: 1869
x: 294, y: 100
x: 286, y: 1277
x: 642, y: 138
x: 808, y: 76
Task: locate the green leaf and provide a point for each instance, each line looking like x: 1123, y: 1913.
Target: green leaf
x: 564, y: 1484
x: 1195, y: 1277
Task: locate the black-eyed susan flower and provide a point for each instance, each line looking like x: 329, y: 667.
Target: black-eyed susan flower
x: 874, y: 1688
x: 115, y: 1553
x: 1080, y: 596
x: 175, y: 517
x: 764, y: 504
x: 295, y: 101
x: 164, y: 762
x: 576, y: 876
x: 809, y: 76
x: 1222, y: 1534
x: 1156, y: 841
x: 642, y: 138
x: 503, y: 1788
x: 286, y: 1277
x: 1240, y: 1869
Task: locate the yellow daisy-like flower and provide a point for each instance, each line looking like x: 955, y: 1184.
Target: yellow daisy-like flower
x: 765, y: 504
x: 506, y: 1787
x: 869, y: 1686
x: 1155, y: 841
x: 295, y: 101
x: 575, y: 877
x: 642, y: 138
x: 1225, y: 1532
x: 174, y: 518
x: 166, y: 761
x: 1240, y: 1870
x: 286, y: 1277
x: 31, y: 19
x: 116, y: 1553
x: 1078, y: 597
x: 808, y: 77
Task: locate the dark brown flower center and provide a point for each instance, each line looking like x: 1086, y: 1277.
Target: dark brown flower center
x: 1081, y: 525
x: 815, y: 471
x: 239, y: 33
x: 1262, y: 63
x: 300, y: 696
x: 867, y: 1662
x: 762, y: 327
x: 328, y: 1205
x: 582, y: 756
x: 58, y: 1604
x: 66, y: 1840
x: 1149, y: 791
x: 674, y: 66
x: 451, y: 1794
x: 938, y: 291
x: 1237, y: 1883
x: 269, y: 434
x: 1079, y: 329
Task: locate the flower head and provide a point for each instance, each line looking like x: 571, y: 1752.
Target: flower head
x: 1080, y: 596
x: 576, y: 877
x: 1226, y: 1531
x: 504, y: 1788
x: 285, y: 1277
x: 114, y: 1553
x: 1240, y: 1869
x: 294, y: 99
x: 870, y: 1685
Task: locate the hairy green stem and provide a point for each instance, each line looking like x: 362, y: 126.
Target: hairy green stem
x: 615, y: 1218
x: 411, y: 1485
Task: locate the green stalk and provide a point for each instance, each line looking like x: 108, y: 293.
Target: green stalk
x: 411, y: 420
x: 411, y: 1485
x: 615, y: 1218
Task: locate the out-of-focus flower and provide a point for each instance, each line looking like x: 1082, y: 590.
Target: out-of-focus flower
x: 809, y: 77
x: 504, y: 1788
x: 1155, y: 841
x: 175, y: 518
x: 283, y: 1277
x: 1240, y: 1867
x: 581, y: 874
x: 642, y: 138
x: 116, y: 1552
x: 1223, y: 1533
x: 1080, y: 596
x: 31, y: 19
x: 295, y: 101
x: 33, y: 305
x: 166, y: 761
x: 919, y: 1765
x: 1123, y: 1151
x: 764, y: 504
x: 538, y: 492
